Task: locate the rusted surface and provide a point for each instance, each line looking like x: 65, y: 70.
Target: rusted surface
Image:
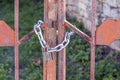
x: 16, y: 25
x: 108, y: 32
x: 61, y: 34
x: 7, y: 35
x: 79, y: 32
x: 26, y: 37
x: 50, y: 65
x: 50, y: 17
x: 29, y: 35
x: 93, y: 28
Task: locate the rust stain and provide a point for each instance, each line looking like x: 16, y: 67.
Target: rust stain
x: 108, y: 32
x: 6, y: 35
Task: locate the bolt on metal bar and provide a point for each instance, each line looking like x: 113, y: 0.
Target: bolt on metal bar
x: 79, y: 32
x: 93, y: 28
x: 16, y: 25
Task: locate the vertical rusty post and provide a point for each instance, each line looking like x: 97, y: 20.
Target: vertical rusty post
x: 61, y: 33
x: 16, y: 24
x: 50, y: 18
x: 93, y: 27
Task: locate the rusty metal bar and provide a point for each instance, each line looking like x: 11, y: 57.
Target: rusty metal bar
x: 29, y: 35
x: 16, y: 25
x: 79, y: 32
x: 26, y: 37
x: 61, y: 33
x: 93, y: 28
x: 50, y: 17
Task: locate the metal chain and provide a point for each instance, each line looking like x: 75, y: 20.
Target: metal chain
x: 62, y: 45
x: 38, y: 31
x: 59, y: 47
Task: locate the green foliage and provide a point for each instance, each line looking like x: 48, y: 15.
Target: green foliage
x: 6, y: 65
x: 4, y: 71
x: 30, y: 13
x: 78, y: 56
x: 78, y: 51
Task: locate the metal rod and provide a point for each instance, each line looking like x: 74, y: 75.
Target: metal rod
x: 26, y: 37
x: 93, y: 28
x: 50, y: 17
x: 29, y: 35
x: 16, y: 25
x: 79, y: 32
x: 61, y: 33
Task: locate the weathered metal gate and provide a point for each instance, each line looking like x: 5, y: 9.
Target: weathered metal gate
x: 55, y: 19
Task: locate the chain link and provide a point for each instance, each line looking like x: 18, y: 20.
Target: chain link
x: 59, y: 47
x: 38, y: 31
x: 62, y: 45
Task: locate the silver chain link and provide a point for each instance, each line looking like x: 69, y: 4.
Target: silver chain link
x: 59, y: 47
x: 38, y: 31
x: 62, y: 45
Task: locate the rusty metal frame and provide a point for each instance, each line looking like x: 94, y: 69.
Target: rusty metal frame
x: 55, y: 18
x: 58, y: 18
x: 16, y: 25
x: 93, y: 29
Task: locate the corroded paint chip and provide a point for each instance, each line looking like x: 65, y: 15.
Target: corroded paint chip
x: 108, y: 32
x: 6, y: 35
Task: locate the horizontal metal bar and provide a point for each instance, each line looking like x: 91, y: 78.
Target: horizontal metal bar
x: 29, y: 35
x: 66, y: 23
x: 79, y: 32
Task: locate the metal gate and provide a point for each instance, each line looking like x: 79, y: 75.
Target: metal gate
x: 55, y: 19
